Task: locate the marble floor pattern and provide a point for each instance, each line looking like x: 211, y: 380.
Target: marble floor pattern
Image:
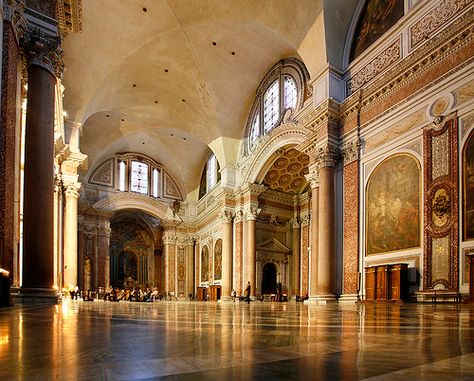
x: 78, y: 340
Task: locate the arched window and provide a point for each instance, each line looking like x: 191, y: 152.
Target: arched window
x: 139, y: 175
x: 211, y: 175
x: 280, y: 92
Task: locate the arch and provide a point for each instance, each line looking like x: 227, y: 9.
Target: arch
x: 124, y: 200
x: 393, y: 205
x: 281, y: 136
x: 269, y: 278
x: 468, y: 188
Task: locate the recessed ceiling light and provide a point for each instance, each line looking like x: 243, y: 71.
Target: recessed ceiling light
x: 143, y: 142
x: 184, y: 100
x: 184, y: 138
x: 166, y: 70
x: 156, y: 101
x: 134, y: 85
x: 107, y: 115
x: 144, y: 9
x: 123, y: 120
x: 214, y: 43
x: 233, y: 53
x: 171, y: 134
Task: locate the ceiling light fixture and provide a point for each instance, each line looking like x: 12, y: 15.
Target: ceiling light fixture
x: 166, y: 70
x: 233, y: 53
x: 144, y: 9
x: 214, y: 43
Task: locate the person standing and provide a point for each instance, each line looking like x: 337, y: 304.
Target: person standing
x: 248, y: 290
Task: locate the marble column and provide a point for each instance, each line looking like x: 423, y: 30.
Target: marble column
x: 103, y: 253
x: 296, y: 256
x: 327, y: 227
x: 13, y: 30
x: 313, y: 179
x: 251, y: 259
x: 239, y: 224
x: 70, y: 234
x: 226, y: 282
x: 38, y: 221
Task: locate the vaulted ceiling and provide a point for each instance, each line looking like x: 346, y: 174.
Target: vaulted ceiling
x: 174, y: 78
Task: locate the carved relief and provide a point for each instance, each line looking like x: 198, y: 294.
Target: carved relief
x: 104, y: 174
x: 441, y: 207
x: 394, y: 131
x: 440, y: 152
x: 379, y: 64
x: 435, y: 19
x: 171, y: 190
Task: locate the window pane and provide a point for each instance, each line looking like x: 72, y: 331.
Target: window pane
x: 155, y: 183
x: 139, y: 177
x: 255, y: 131
x: 211, y: 172
x: 271, y: 106
x: 122, y: 168
x: 290, y: 93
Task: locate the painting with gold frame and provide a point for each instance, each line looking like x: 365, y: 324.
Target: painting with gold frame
x: 218, y: 259
x: 393, y: 205
x: 468, y: 188
x: 205, y: 264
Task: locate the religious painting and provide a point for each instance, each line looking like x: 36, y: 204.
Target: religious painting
x: 468, y: 188
x: 393, y: 205
x: 376, y: 18
x: 205, y: 264
x: 218, y: 260
x: 127, y: 268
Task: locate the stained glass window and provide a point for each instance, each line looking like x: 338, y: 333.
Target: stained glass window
x: 271, y: 106
x: 290, y: 92
x: 139, y: 177
x: 255, y: 131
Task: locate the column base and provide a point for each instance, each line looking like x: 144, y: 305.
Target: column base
x: 321, y: 300
x: 349, y: 298
x: 36, y: 296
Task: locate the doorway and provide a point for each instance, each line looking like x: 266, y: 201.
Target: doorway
x: 269, y: 279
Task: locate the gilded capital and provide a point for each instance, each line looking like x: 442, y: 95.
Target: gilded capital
x: 45, y: 51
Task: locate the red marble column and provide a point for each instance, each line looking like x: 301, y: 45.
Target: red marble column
x: 8, y: 160
x: 39, y: 187
x: 251, y: 261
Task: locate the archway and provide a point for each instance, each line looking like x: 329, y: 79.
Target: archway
x: 269, y: 279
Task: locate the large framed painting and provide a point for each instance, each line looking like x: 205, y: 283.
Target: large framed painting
x: 218, y: 259
x: 376, y: 18
x: 205, y: 264
x: 468, y: 188
x: 393, y: 205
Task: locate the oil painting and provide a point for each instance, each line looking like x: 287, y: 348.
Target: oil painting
x: 468, y: 170
x: 205, y: 264
x: 393, y: 205
x: 377, y: 17
x: 218, y: 260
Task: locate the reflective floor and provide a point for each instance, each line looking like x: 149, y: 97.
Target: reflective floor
x: 235, y: 341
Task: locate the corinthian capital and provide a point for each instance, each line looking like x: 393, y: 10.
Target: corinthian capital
x: 328, y: 155
x: 226, y: 216
x: 45, y: 51
x: 313, y: 178
x: 72, y: 190
x: 351, y: 151
x: 251, y: 213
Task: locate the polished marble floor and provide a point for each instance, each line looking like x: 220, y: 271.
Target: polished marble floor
x: 236, y: 341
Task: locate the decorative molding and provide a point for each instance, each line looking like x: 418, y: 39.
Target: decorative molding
x: 69, y: 15
x: 382, y: 62
x: 14, y: 12
x: 170, y: 189
x: 104, y: 174
x: 439, y: 16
